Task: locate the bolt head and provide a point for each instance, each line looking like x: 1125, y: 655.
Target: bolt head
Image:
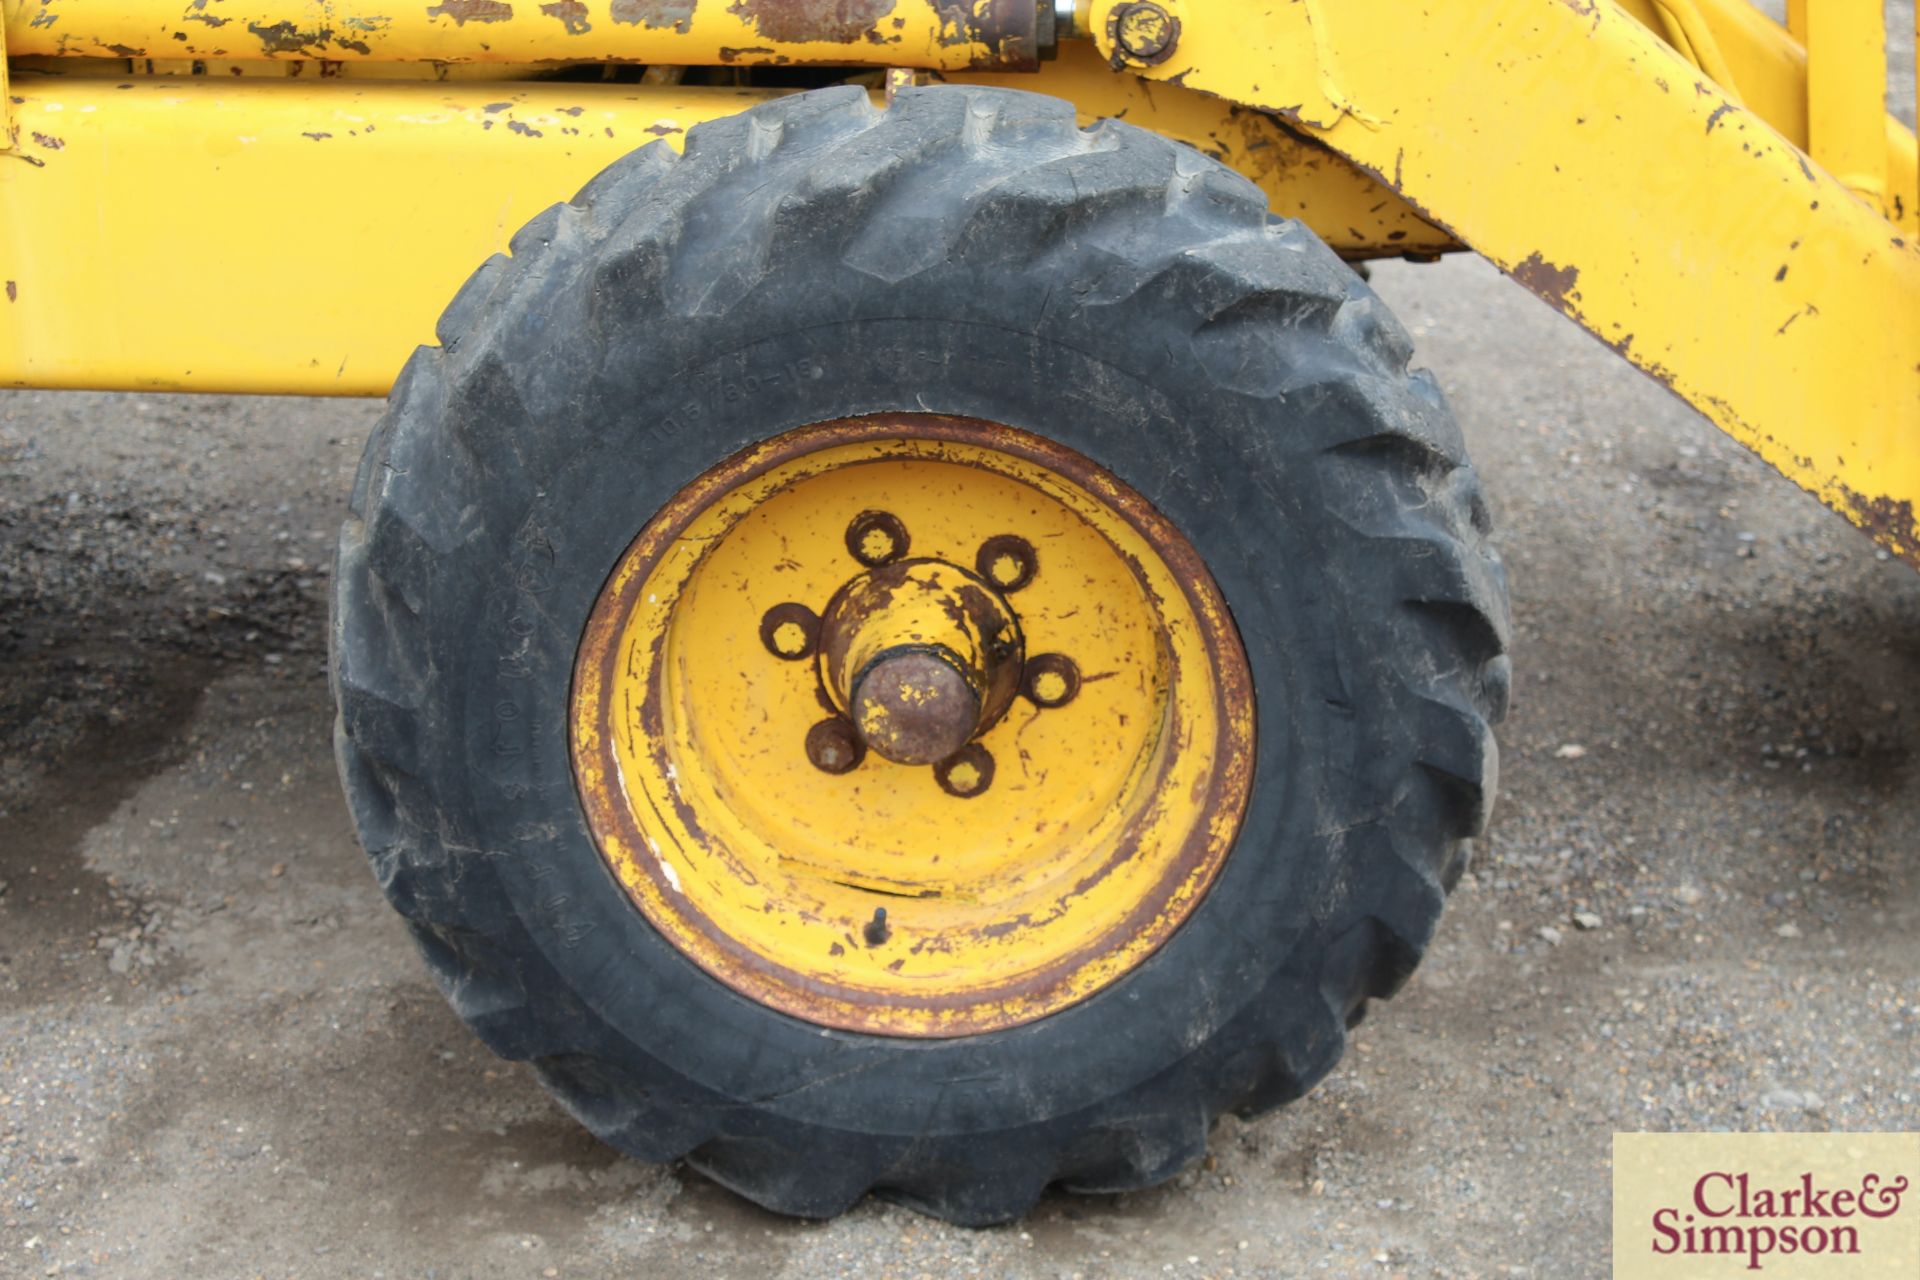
x: 833, y: 746
x: 1143, y: 31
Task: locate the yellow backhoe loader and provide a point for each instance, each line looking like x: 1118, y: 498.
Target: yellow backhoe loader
x: 909, y: 628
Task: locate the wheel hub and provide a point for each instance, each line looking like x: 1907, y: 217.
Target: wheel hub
x: 921, y: 656
x: 912, y: 725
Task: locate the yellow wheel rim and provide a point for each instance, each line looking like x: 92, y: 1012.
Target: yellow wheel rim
x: 912, y: 725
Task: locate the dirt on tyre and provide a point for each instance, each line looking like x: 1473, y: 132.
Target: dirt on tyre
x: 924, y: 650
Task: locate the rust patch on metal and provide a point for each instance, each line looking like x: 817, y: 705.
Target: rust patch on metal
x: 13, y: 291
x: 1557, y: 285
x: 1011, y: 30
x: 1891, y: 522
x: 655, y: 15
x: 464, y: 11
x: 913, y: 706
x: 48, y: 141
x: 915, y: 703
x: 814, y: 21
x: 1144, y: 32
x: 571, y: 14
x: 286, y: 37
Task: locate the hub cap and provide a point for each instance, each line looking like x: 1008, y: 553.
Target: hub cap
x: 912, y: 725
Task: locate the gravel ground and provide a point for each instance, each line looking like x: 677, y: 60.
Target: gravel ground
x: 1699, y: 905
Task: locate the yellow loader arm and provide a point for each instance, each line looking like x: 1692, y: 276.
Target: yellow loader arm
x: 1675, y: 215
x: 276, y: 195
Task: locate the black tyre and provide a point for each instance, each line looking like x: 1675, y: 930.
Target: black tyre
x: 966, y: 252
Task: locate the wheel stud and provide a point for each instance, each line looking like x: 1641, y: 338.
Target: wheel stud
x: 875, y: 538
x: 966, y: 773
x: 1050, y: 680
x: 876, y: 931
x: 1007, y: 561
x: 790, y: 631
x: 834, y: 747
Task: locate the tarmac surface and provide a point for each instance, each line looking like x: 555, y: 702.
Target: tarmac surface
x: 1698, y: 906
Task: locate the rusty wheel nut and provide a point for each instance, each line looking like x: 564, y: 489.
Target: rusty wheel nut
x: 834, y: 747
x: 1144, y: 32
x: 1007, y: 561
x: 876, y: 931
x: 875, y: 538
x: 790, y: 631
x: 966, y: 773
x: 1050, y: 680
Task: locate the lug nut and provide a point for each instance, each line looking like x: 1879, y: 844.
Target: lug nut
x: 834, y: 747
x: 790, y: 631
x: 1007, y: 561
x: 876, y: 931
x: 966, y: 773
x: 875, y: 538
x: 1050, y: 680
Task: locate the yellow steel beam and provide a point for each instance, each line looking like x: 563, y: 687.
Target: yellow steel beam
x: 1767, y: 65
x: 300, y: 235
x: 921, y: 33
x: 201, y: 235
x: 1347, y: 208
x: 1847, y: 93
x: 1568, y: 143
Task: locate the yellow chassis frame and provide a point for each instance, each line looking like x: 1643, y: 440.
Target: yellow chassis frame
x: 279, y: 196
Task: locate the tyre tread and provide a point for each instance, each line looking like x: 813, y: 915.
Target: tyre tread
x: 1269, y: 313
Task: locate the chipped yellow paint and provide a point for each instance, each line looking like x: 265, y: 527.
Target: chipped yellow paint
x: 1077, y: 842
x: 1346, y: 207
x: 920, y: 33
x: 256, y: 163
x: 1767, y: 66
x: 1569, y: 143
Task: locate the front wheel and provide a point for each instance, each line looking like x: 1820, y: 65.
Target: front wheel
x: 924, y: 650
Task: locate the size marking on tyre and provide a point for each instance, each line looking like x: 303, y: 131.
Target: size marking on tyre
x: 718, y: 389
